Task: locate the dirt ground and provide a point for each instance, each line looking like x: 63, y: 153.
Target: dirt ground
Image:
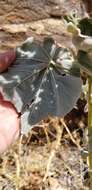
x: 38, y: 18
x: 50, y: 157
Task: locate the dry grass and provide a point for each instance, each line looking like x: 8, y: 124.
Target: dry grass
x: 46, y: 163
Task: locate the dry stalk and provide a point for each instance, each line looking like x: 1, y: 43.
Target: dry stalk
x: 59, y: 130
x: 70, y: 135
x: 17, y: 157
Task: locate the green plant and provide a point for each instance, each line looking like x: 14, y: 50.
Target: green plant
x: 44, y: 80
x: 85, y: 59
x: 82, y: 39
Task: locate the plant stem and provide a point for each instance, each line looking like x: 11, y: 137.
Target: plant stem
x: 90, y: 128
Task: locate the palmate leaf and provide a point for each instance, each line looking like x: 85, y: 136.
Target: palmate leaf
x: 82, y: 40
x: 85, y: 61
x: 85, y: 26
x: 85, y: 55
x: 44, y: 80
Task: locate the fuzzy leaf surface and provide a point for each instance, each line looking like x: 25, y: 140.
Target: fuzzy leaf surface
x: 44, y: 80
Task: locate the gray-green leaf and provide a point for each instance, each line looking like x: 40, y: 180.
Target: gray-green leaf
x: 40, y: 82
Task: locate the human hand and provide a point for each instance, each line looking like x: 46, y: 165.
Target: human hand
x: 9, y: 120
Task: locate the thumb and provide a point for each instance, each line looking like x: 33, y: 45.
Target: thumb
x: 6, y: 59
